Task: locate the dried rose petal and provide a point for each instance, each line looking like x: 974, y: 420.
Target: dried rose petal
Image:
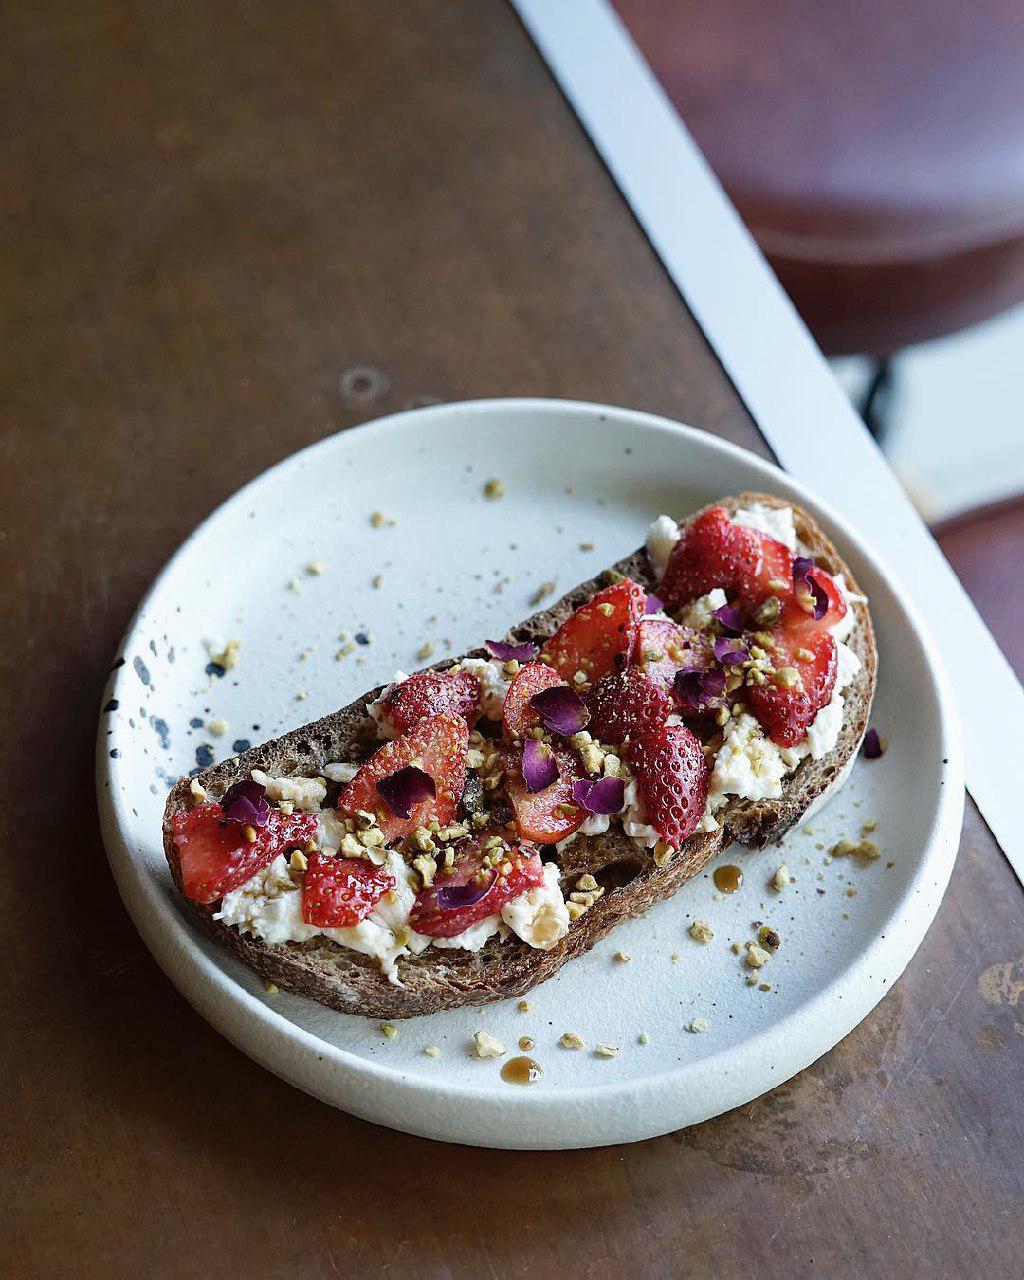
x: 872, y: 748
x: 403, y: 790
x: 561, y: 710
x: 504, y: 652
x: 605, y: 796
x: 654, y: 604
x: 730, y: 618
x: 246, y: 802
x: 731, y: 653
x: 540, y: 768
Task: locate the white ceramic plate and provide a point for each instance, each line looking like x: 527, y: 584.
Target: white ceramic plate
x: 456, y: 567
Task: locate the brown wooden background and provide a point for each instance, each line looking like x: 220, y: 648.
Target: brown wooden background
x: 211, y: 212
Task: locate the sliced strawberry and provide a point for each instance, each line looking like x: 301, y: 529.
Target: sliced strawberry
x: 519, y: 716
x: 672, y: 778
x: 785, y: 712
x: 600, y: 637
x: 712, y: 552
x: 432, y: 693
x: 620, y: 705
x: 472, y: 890
x: 549, y: 815
x: 438, y: 746
x: 339, y: 892
x: 665, y: 647
x: 215, y: 856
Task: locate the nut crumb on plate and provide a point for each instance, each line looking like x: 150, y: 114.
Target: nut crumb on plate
x: 700, y: 931
x: 697, y: 1025
x: 606, y: 1050
x: 487, y: 1046
x: 570, y: 1040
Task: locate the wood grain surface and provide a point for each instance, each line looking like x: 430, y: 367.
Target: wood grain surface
x: 229, y: 230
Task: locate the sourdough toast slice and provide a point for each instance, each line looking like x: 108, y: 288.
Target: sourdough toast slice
x: 441, y: 979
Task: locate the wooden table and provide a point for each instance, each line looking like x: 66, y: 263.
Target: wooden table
x: 213, y: 214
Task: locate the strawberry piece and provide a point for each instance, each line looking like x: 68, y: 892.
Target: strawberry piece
x: 215, y: 856
x: 784, y: 712
x: 432, y: 693
x: 472, y: 890
x: 517, y: 713
x: 672, y: 778
x: 438, y: 746
x: 621, y: 705
x: 339, y: 892
x: 664, y: 647
x: 712, y: 552
x: 600, y: 637
x: 549, y: 815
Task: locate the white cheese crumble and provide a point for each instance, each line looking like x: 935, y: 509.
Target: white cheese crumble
x: 375, y: 709
x: 304, y: 793
x: 339, y: 772
x: 776, y: 522
x: 539, y: 916
x: 662, y: 536
x: 493, y: 684
x: 701, y: 612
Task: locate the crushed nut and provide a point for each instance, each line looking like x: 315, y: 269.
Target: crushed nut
x: 488, y: 1046
x: 545, y: 589
x: 622, y: 957
x: 432, y: 1051
x: 606, y: 1050
x: 781, y: 878
x: 315, y: 568
x: 227, y: 657
x: 571, y: 1041
x: 197, y: 791
x: 663, y: 854
x: 768, y: 938
x: 756, y: 957
x: 271, y: 988
x: 524, y: 1006
x: 494, y: 488
x: 388, y: 1030
x: 425, y: 650
x: 700, y: 931
x: 696, y: 1025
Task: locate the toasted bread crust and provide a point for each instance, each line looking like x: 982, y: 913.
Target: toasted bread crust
x: 352, y: 983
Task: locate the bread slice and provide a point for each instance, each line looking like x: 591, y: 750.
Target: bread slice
x: 443, y: 979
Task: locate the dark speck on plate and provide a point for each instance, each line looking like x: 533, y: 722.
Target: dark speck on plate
x: 240, y: 744
x: 362, y: 637
x: 214, y: 669
x: 162, y: 731
x: 820, y: 892
x: 112, y: 705
x: 114, y: 753
x: 204, y: 755
x: 152, y: 646
x: 195, y: 723
x: 142, y: 670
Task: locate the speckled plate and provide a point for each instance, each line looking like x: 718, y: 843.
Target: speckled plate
x: 454, y: 567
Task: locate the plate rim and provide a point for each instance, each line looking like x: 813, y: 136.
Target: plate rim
x: 262, y: 1032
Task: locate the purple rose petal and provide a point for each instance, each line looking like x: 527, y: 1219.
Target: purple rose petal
x: 525, y: 652
x: 700, y: 687
x: 654, y: 604
x: 246, y: 802
x: 731, y: 653
x: 452, y: 896
x: 872, y: 747
x: 803, y: 577
x: 561, y: 710
x: 606, y: 795
x: 540, y: 768
x: 730, y: 618
x: 408, y: 787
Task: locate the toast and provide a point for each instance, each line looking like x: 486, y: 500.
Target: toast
x: 630, y: 879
